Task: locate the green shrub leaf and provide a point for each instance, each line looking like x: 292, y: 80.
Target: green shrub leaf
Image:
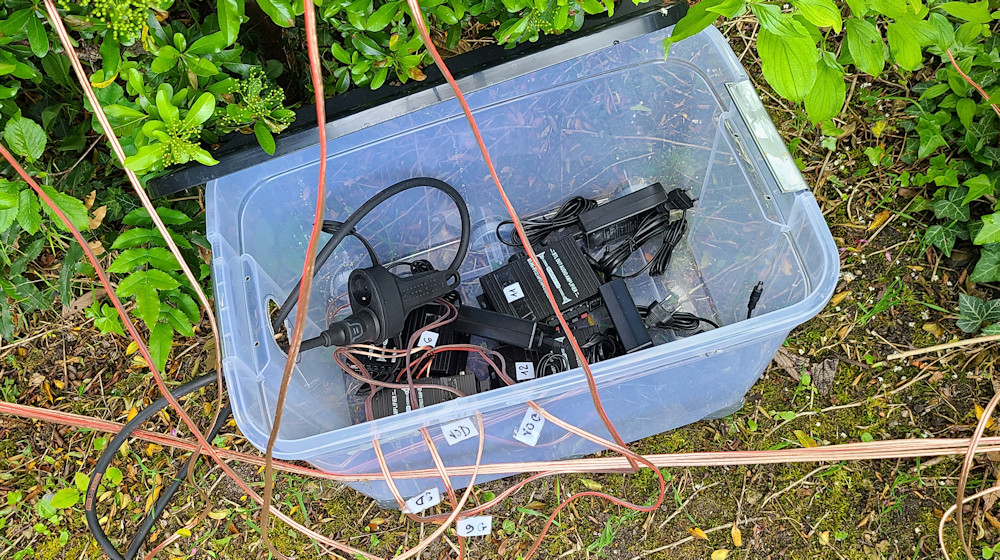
x: 201, y: 111
x: 38, y: 40
x: 264, y: 136
x: 788, y: 63
x: 72, y: 207
x: 280, y: 11
x: 25, y: 138
x: 973, y: 12
x: 65, y: 498
x: 828, y: 94
x: 697, y: 19
x: 161, y: 338
x: 774, y: 21
x: 864, y: 43
x: 230, y: 18
x: 904, y: 46
x: 821, y: 13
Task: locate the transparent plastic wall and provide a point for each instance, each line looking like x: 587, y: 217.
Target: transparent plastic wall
x: 595, y: 126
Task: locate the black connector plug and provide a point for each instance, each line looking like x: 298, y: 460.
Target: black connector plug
x: 505, y: 329
x: 678, y: 199
x: 754, y: 298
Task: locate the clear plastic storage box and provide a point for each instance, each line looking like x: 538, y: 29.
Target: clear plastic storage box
x: 596, y: 124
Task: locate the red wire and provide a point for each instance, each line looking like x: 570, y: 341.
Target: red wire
x: 295, y: 341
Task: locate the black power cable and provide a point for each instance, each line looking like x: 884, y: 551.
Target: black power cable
x: 352, y: 222
x: 655, y: 225
x: 331, y: 227
x: 538, y: 228
x: 109, y: 453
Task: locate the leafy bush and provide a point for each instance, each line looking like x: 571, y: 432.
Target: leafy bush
x: 174, y: 78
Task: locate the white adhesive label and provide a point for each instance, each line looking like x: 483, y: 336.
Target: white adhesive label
x: 426, y: 499
x: 524, y: 370
x: 478, y: 526
x: 459, y: 430
x: 428, y: 338
x: 530, y: 428
x: 513, y: 292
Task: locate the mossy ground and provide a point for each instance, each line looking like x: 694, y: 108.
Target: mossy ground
x: 848, y: 510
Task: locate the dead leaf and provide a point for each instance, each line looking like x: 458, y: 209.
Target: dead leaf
x: 804, y: 439
x: 184, y: 532
x: 219, y: 515
x: 720, y: 554
x: 89, y: 201
x: 36, y: 379
x: 131, y: 414
x: 934, y: 328
x: 83, y: 302
x: 824, y: 537
x: 880, y: 219
x: 698, y: 534
x: 737, y: 536
x: 417, y: 74
x: 792, y: 363
x: 59, y: 384
x: 153, y: 449
x: 837, y: 299
x: 535, y: 504
x: 98, y: 217
x: 979, y: 416
x: 993, y: 521
x: 48, y: 391
x: 824, y: 374
x: 97, y: 247
x: 591, y: 484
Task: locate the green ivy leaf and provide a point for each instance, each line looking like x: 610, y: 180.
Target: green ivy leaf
x: 788, y: 63
x: 950, y: 205
x: 942, y: 236
x: 864, y: 43
x: 973, y: 12
x: 979, y: 186
x: 990, y: 233
x: 38, y: 40
x: 829, y: 92
x: 988, y: 267
x: 696, y: 20
x: 264, y: 137
x: 821, y: 13
x: 971, y: 312
x: 67, y: 497
x: 280, y: 11
x: 904, y: 46
x: 25, y: 138
x: 161, y: 338
x: 109, y: 321
x: 230, y: 14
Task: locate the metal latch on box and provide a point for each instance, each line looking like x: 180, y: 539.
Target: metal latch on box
x: 773, y: 148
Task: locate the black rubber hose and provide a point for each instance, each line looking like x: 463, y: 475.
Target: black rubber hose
x: 365, y: 209
x: 109, y: 453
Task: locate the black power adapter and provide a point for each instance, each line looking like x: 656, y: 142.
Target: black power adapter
x: 622, y: 216
x: 515, y: 289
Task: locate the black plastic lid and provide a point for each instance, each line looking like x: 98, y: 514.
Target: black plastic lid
x: 239, y: 151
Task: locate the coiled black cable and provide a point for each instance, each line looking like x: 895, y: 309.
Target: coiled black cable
x: 538, y: 228
x: 352, y: 221
x: 109, y: 453
x: 654, y: 225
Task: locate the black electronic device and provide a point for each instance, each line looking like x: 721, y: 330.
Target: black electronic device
x: 388, y: 402
x: 620, y: 217
x: 504, y: 329
x: 516, y: 290
x: 625, y: 317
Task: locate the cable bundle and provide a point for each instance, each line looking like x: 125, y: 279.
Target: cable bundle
x: 653, y: 226
x: 539, y: 227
